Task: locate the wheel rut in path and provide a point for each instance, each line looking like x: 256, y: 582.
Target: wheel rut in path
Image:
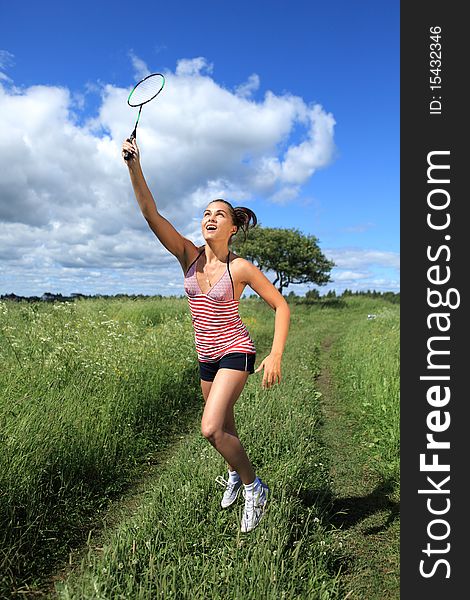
x: 364, y: 518
x: 117, y: 510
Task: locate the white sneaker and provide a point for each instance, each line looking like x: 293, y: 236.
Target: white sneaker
x: 231, y: 490
x: 255, y: 506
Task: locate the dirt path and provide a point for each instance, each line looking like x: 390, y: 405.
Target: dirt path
x: 363, y: 512
x: 117, y: 510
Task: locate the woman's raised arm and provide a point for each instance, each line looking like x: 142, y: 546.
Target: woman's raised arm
x: 173, y: 241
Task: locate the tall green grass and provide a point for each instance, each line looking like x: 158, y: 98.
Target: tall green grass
x: 367, y: 374
x: 87, y: 392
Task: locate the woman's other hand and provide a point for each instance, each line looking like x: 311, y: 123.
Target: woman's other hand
x: 272, y: 370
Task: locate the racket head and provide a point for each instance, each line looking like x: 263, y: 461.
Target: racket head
x: 146, y: 89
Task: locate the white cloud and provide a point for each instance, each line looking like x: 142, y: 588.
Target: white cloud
x: 141, y: 69
x: 65, y: 197
x: 193, y: 67
x: 285, y: 194
x: 6, y: 59
x: 358, y: 258
x: 350, y: 276
x: 316, y: 151
x: 245, y: 90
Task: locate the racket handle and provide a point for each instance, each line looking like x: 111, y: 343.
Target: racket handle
x: 127, y: 155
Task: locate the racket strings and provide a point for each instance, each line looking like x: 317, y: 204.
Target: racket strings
x: 145, y: 90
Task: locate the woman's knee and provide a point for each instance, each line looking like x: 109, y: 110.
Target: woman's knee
x: 211, y: 431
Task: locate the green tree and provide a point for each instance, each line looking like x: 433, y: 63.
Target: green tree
x: 293, y: 256
x: 312, y: 295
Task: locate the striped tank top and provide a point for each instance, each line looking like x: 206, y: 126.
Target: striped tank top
x: 218, y: 328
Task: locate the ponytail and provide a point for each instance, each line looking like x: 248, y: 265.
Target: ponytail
x: 244, y: 219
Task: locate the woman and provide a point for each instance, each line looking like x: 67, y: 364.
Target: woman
x: 214, y: 281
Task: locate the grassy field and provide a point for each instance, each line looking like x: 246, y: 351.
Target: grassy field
x: 96, y: 390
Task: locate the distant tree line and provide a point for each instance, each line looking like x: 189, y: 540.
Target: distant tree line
x: 50, y: 297
x: 310, y: 296
x: 314, y: 295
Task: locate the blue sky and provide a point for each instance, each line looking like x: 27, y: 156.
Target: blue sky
x: 69, y: 224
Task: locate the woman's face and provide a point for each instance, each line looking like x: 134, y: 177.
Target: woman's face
x: 216, y: 222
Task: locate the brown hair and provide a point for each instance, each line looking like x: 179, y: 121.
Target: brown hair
x: 243, y: 218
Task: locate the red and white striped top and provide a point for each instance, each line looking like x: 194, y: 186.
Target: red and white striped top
x: 218, y: 328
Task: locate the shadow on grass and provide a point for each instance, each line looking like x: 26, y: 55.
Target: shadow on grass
x: 347, y: 512
x: 344, y: 513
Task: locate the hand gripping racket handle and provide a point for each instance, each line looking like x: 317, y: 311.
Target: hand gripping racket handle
x: 127, y: 155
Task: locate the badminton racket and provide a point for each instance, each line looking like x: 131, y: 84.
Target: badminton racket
x: 142, y: 93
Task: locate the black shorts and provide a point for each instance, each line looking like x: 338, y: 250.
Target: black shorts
x: 240, y: 361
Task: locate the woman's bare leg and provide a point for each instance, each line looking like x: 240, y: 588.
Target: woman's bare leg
x: 218, y: 425
x: 206, y: 388
x: 230, y: 426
